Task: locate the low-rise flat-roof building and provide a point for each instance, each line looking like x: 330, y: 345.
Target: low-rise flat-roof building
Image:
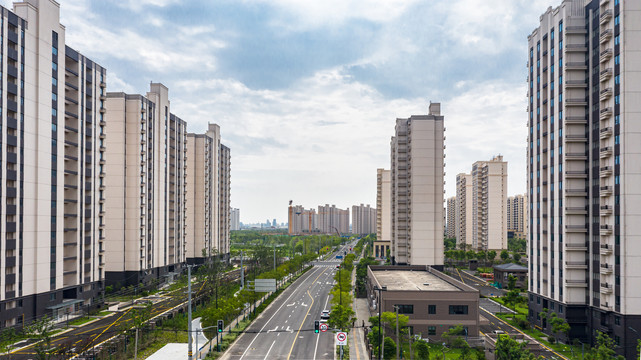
x: 503, y: 271
x: 433, y: 301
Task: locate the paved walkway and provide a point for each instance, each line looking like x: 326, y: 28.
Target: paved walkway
x: 357, y: 347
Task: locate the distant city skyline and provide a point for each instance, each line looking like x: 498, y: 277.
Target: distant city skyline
x: 266, y: 70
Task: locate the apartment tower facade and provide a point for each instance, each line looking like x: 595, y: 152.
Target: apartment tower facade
x: 301, y: 220
x: 417, y: 170
x: 145, y: 187
x: 489, y: 201
x: 583, y: 173
x: 450, y: 228
x: 51, y: 153
x: 332, y: 219
x: 235, y: 219
x: 383, y: 212
x: 363, y: 219
x: 224, y: 201
x: 517, y: 221
x: 464, y: 206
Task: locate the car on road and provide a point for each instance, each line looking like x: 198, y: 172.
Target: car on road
x: 324, y: 316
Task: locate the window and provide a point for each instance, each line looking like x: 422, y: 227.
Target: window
x: 431, y: 330
x: 54, y: 50
x: 54, y: 66
x: 616, y: 40
x: 617, y: 79
x: 617, y: 60
x: 616, y: 140
x: 458, y: 309
x: 54, y: 81
x: 560, y: 309
x: 616, y: 20
x: 405, y: 309
x: 617, y: 99
x: 431, y: 309
x: 560, y: 26
x: 617, y: 119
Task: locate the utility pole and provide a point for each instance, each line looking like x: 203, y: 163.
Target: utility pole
x: 189, y: 347
x: 398, y: 338
x: 274, y: 247
x: 242, y: 273
x: 409, y: 331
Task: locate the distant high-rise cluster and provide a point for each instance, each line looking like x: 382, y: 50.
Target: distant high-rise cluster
x: 301, y: 220
x: 98, y: 188
x: 450, y: 228
x: 328, y: 220
x: 363, y: 219
x: 415, y: 191
x: 481, y: 199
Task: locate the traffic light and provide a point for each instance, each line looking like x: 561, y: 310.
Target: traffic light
x: 221, y: 326
x: 316, y: 326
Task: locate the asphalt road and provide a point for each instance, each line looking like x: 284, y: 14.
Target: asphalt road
x: 285, y: 330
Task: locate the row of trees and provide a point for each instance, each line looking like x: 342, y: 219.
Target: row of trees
x: 342, y: 316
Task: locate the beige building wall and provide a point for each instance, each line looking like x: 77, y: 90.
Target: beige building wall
x: 383, y: 205
x: 146, y: 231
x: 517, y: 215
x: 51, y: 155
x: 464, y: 207
x: 331, y: 218
x: 224, y: 200
x: 363, y: 219
x: 200, y: 197
x: 235, y: 219
x: 450, y: 229
x: 489, y: 202
x: 417, y: 170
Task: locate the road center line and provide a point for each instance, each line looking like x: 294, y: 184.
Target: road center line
x: 270, y: 349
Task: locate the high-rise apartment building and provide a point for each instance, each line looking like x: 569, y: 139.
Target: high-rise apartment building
x: 363, y: 219
x: 489, y: 201
x: 331, y: 219
x: 450, y: 228
x: 144, y: 187
x: 464, y: 206
x: 207, y: 196
x: 51, y: 158
x: 224, y: 200
x: 301, y: 220
x: 235, y: 219
x: 417, y: 170
x: 517, y: 215
x: 583, y: 173
x: 383, y: 212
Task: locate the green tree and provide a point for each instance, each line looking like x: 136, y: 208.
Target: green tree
x: 421, y: 350
x: 341, y: 317
x: 604, y: 349
x: 510, y: 349
x: 513, y: 297
x: 452, y: 335
x: 505, y: 255
x: 511, y: 282
x: 41, y: 329
x: 389, y: 349
x: 559, y: 324
x: 516, y: 256
x: 470, y: 255
x: 491, y: 255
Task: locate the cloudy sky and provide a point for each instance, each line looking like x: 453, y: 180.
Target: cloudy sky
x: 306, y: 92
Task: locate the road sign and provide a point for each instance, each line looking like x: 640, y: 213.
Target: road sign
x: 341, y: 338
x: 323, y: 327
x: 264, y: 285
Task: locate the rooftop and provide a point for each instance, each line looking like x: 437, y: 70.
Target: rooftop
x: 408, y: 280
x: 510, y: 267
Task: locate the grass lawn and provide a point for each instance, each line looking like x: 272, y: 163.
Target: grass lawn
x: 521, y: 308
x: 80, y: 320
x: 105, y: 313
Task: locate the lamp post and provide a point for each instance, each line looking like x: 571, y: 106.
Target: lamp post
x: 380, y: 325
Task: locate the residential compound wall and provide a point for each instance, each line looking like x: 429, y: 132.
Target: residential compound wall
x: 363, y: 219
x: 417, y: 170
x: 584, y: 66
x: 51, y: 153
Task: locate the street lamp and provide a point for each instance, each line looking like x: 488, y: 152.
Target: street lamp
x: 380, y: 325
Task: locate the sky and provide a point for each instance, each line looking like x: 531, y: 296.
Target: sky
x: 307, y: 92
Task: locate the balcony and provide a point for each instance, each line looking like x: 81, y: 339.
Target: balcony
x: 576, y: 229
x: 606, y: 229
x: 605, y: 152
x: 606, y: 288
x: 605, y: 36
x: 605, y: 210
x: 576, y: 47
x: 605, y: 94
x: 606, y: 249
x: 576, y: 156
x: 605, y: 171
x: 576, y: 102
x: 576, y: 283
x: 576, y: 65
x: 604, y: 75
x: 576, y: 174
x: 576, y: 138
x: 576, y: 247
x: 576, y: 30
x: 576, y: 210
x: 575, y: 84
x: 606, y: 55
x: 576, y: 192
x: 576, y: 265
x: 605, y: 191
x: 576, y: 120
x: 606, y: 269
x: 605, y: 133
x: 605, y: 17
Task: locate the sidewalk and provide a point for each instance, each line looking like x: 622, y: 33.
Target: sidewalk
x: 358, y: 349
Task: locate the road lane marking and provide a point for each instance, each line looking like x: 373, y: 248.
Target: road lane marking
x: 302, y: 322
x: 270, y: 349
x: 267, y: 322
